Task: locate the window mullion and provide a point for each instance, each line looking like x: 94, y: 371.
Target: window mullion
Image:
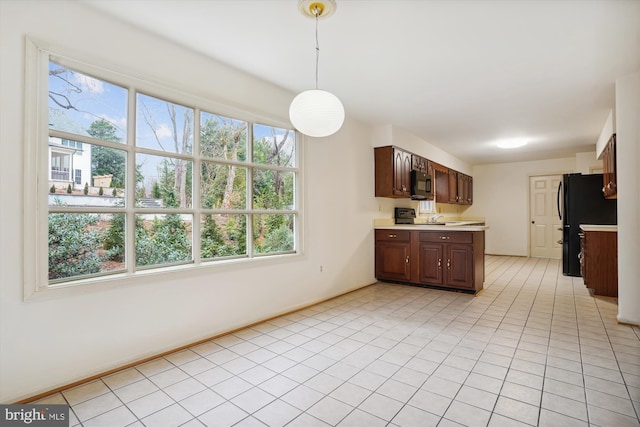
x: 250, y: 191
x: 130, y: 223
x: 196, y: 190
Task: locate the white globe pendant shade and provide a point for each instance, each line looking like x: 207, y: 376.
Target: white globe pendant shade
x: 316, y: 113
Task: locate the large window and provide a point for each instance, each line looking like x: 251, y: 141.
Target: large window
x: 158, y: 180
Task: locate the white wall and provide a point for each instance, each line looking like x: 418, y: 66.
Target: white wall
x: 628, y: 179
x: 588, y: 163
x: 501, y: 195
x: 607, y: 130
x: 49, y: 343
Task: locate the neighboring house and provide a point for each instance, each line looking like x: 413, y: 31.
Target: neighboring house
x: 69, y: 161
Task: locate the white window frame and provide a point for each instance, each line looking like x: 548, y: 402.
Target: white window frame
x: 36, y: 179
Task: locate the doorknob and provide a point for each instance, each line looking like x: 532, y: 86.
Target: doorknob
x: 533, y: 222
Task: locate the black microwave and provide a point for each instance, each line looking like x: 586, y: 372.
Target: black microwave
x: 421, y: 188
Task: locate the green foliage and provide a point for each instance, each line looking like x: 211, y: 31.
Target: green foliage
x: 69, y: 190
x: 114, y: 193
x: 141, y: 192
x: 166, y: 241
x: 105, y: 160
x: 74, y: 241
x: 52, y: 190
x: 155, y: 190
x: 278, y: 240
x: 100, y: 192
x: 102, y: 129
x: 214, y: 242
x: 85, y: 190
x: 114, y: 239
x: 222, y: 138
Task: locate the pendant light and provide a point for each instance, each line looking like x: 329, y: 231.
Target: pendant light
x: 316, y: 112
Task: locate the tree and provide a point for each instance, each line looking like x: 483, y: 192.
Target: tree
x: 223, y: 138
x: 181, y: 127
x: 105, y: 160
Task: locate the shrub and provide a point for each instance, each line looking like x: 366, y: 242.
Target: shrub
x: 114, y: 193
x: 166, y: 242
x: 85, y: 190
x: 69, y: 189
x: 73, y: 244
x: 100, y: 192
x: 52, y: 190
x: 278, y: 240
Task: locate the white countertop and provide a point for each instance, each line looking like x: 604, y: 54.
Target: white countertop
x: 432, y: 227
x: 595, y: 227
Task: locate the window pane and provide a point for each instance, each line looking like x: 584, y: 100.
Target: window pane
x: 273, y: 233
x: 95, y: 179
x: 84, y: 105
x: 163, y: 239
x: 223, y: 186
x: 223, y: 138
x: 223, y: 236
x: 163, y: 182
x: 163, y: 125
x: 85, y: 244
x: 273, y: 146
x: 272, y: 189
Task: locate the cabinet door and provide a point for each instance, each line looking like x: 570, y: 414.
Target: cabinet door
x: 462, y: 188
x: 453, y: 186
x: 401, y: 173
x: 459, y: 266
x: 419, y: 163
x: 430, y: 263
x: 392, y: 260
x: 441, y: 184
x: 609, y: 162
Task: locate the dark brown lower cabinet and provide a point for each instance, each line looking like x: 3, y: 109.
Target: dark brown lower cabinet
x: 451, y: 259
x: 599, y: 261
x: 393, y: 255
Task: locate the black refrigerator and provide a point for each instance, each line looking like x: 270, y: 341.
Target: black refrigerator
x: 581, y: 201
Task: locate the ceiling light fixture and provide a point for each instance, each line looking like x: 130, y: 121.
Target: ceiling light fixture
x: 512, y: 143
x: 316, y: 112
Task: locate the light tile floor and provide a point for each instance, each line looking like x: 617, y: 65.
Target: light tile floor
x: 534, y: 348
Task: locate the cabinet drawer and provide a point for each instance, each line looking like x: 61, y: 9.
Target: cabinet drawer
x: 446, y: 236
x: 393, y: 235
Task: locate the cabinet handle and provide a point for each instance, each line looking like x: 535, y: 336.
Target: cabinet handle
x: 439, y: 262
x: 449, y: 264
x: 445, y: 237
x: 581, y: 235
x: 393, y: 236
x: 407, y: 259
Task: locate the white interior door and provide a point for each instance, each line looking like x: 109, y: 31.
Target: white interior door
x: 546, y: 226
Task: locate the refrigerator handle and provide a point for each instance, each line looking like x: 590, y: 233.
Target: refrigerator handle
x: 558, y: 200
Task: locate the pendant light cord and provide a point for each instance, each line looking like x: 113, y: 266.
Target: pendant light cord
x: 317, y: 13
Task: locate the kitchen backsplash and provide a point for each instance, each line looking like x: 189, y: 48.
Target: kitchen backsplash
x: 446, y: 211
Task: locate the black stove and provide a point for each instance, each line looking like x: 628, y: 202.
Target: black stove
x: 405, y: 215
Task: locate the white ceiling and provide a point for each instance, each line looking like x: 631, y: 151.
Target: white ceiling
x: 457, y: 73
